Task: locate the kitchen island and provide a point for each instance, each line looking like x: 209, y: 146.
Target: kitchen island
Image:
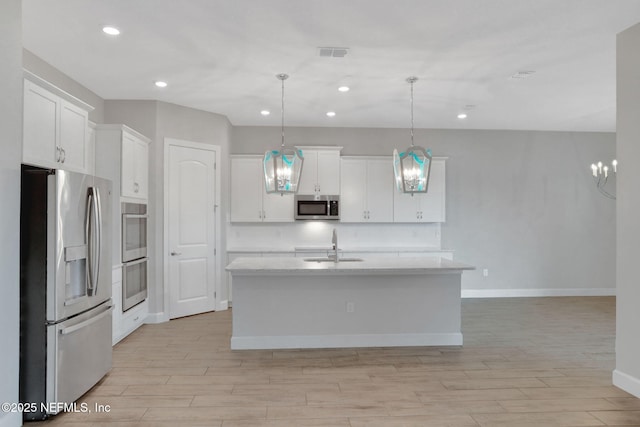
x: 376, y: 302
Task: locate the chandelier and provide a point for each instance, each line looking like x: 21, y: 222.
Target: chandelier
x: 601, y: 174
x: 282, y: 167
x: 412, y: 166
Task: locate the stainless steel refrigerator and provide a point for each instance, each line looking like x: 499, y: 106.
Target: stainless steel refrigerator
x: 65, y: 287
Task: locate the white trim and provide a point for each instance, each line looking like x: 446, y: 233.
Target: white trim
x: 224, y: 305
x: 382, y: 157
x: 39, y: 81
x: 518, y: 293
x: 218, y: 213
x: 11, y: 419
x: 157, y: 317
x: 319, y: 147
x: 342, y: 341
x: 626, y: 382
x: 124, y: 128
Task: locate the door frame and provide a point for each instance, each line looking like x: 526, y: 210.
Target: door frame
x: 168, y: 142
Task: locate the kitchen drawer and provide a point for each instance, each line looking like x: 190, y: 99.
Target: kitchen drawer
x: 134, y: 318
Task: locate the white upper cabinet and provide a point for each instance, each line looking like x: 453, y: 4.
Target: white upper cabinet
x: 367, y: 187
x: 249, y: 200
x: 320, y: 170
x: 122, y: 155
x: 74, y: 136
x: 135, y: 166
x: 429, y: 207
x: 55, y: 128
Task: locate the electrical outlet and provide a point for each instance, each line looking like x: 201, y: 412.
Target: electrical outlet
x: 485, y: 272
x: 351, y: 307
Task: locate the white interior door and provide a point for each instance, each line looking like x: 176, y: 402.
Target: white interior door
x: 191, y: 230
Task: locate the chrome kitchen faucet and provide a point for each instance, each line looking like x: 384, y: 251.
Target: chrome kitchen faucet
x: 334, y: 240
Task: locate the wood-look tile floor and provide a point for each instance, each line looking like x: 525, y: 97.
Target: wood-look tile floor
x: 525, y: 362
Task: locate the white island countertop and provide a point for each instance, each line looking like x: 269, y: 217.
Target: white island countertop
x: 391, y: 265
x: 378, y: 302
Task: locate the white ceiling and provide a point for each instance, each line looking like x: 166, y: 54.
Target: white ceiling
x: 222, y: 56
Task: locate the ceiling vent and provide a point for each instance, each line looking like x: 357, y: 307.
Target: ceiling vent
x: 333, y: 52
x: 522, y: 75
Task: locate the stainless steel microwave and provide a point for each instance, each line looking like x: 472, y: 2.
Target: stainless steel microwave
x: 317, y: 207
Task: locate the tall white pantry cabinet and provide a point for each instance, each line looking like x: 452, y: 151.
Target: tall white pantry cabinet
x: 123, y: 157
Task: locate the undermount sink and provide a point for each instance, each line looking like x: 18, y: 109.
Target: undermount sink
x: 331, y: 259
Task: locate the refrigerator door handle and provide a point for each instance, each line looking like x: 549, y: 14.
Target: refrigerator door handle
x: 72, y: 329
x: 98, y: 217
x: 89, y: 240
x: 94, y: 236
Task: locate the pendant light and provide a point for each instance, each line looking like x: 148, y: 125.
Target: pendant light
x: 282, y: 167
x: 412, y: 166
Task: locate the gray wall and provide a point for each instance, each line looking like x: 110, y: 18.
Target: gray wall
x: 11, y: 126
x: 42, y: 69
x: 521, y: 204
x: 160, y: 120
x: 627, y: 373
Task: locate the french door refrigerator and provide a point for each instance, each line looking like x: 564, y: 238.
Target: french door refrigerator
x: 65, y: 288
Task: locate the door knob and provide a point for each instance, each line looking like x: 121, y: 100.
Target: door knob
x: 176, y: 253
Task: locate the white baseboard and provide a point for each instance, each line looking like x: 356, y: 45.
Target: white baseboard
x: 342, y: 341
x: 157, y: 317
x: 626, y: 382
x: 223, y: 305
x: 515, y: 293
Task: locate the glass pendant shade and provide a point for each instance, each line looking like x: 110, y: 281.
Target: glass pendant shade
x: 282, y: 167
x: 412, y: 169
x: 282, y: 170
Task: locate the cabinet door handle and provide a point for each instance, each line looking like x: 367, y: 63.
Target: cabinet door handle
x: 136, y: 187
x: 64, y: 154
x: 176, y: 253
x: 57, y: 154
x: 264, y: 215
x: 260, y: 214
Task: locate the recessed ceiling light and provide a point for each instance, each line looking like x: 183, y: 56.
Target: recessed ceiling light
x: 112, y: 31
x: 160, y: 83
x: 265, y: 112
x: 343, y: 89
x: 462, y: 116
x: 331, y: 113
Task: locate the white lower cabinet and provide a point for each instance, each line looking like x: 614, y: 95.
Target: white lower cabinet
x: 127, y: 322
x: 133, y: 318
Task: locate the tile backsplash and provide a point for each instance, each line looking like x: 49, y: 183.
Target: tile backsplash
x: 286, y: 236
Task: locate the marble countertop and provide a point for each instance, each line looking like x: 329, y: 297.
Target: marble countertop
x: 279, y: 265
x: 342, y: 249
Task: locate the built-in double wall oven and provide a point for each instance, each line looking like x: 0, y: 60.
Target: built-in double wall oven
x: 134, y: 254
